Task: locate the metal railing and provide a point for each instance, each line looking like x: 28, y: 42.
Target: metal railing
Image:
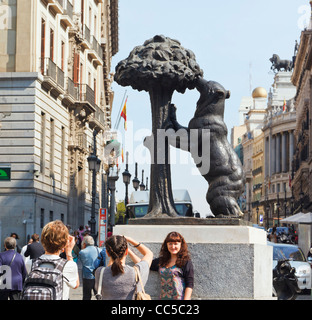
x: 69, y: 10
x: 49, y: 69
x: 85, y: 93
x: 72, y: 89
x: 97, y: 48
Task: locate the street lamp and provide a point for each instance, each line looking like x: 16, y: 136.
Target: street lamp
x: 112, y: 178
x: 285, y: 202
x: 126, y: 176
x: 94, y: 166
x: 301, y: 195
x: 277, y: 207
x: 135, y: 180
x: 142, y: 185
x: 292, y: 200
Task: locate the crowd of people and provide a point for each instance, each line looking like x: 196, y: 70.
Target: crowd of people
x: 105, y: 272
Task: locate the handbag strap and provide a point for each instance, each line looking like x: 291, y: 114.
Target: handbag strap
x: 138, y: 278
x: 99, y: 290
x: 12, y: 259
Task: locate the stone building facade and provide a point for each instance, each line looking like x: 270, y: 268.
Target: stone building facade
x: 55, y: 90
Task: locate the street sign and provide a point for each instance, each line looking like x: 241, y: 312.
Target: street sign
x: 102, y: 227
x: 5, y: 174
x: 261, y: 219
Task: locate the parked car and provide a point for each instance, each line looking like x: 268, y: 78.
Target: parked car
x: 297, y: 260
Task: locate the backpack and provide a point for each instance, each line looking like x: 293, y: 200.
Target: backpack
x: 44, y: 283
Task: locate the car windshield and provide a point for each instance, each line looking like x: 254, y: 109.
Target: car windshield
x: 289, y: 253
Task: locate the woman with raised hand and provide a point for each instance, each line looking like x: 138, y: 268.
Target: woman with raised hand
x: 119, y: 280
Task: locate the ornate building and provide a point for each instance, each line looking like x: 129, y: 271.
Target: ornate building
x: 55, y: 92
x: 278, y: 129
x: 302, y: 79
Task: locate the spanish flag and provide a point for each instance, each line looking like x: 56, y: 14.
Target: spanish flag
x: 284, y: 106
x: 122, y: 156
x: 124, y: 113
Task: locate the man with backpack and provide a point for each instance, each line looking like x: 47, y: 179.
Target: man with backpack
x: 51, y: 277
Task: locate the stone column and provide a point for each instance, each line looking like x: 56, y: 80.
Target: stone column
x: 267, y: 156
x: 278, y: 154
x: 291, y: 147
x: 284, y: 153
x: 272, y: 156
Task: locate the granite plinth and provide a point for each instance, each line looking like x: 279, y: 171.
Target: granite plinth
x: 230, y: 261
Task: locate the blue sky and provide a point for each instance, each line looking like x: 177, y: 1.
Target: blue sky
x: 232, y: 42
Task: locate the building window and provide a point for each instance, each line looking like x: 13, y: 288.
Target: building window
x: 63, y: 155
x: 52, y: 44
x: 62, y: 217
x: 52, y: 139
x: 62, y: 55
x: 51, y: 216
x: 41, y: 218
x: 43, y: 143
x: 42, y: 44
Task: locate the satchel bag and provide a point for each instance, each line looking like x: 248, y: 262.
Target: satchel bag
x: 98, y: 295
x: 141, y: 295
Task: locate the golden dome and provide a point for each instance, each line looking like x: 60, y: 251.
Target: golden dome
x: 259, y: 92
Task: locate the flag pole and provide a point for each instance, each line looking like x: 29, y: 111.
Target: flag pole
x: 119, y: 117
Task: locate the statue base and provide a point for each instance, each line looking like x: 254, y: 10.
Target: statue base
x: 190, y: 221
x: 230, y: 261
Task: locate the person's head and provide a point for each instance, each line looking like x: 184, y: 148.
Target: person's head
x: 174, y: 245
x: 54, y: 236
x: 14, y: 235
x: 117, y: 249
x: 87, y: 241
x: 35, y: 237
x: 10, y: 243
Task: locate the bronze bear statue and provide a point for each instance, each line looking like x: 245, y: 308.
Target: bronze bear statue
x: 225, y: 176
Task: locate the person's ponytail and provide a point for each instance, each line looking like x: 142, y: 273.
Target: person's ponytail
x: 116, y: 247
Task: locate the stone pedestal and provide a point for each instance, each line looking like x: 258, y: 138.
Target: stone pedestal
x: 230, y: 261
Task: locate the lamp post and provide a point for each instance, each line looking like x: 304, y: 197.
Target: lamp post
x: 277, y: 207
x: 142, y: 185
x: 285, y: 202
x: 146, y: 184
x: 301, y: 195
x: 135, y: 180
x: 94, y: 166
x: 112, y: 178
x: 292, y: 200
x: 126, y: 179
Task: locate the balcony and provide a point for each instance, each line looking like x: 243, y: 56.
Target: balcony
x: 96, y: 120
x: 86, y: 97
x: 71, y: 93
x: 96, y: 52
x: 86, y: 38
x: 68, y: 14
x: 53, y: 76
x: 56, y: 6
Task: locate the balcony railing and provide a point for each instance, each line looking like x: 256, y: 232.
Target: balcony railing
x: 69, y: 10
x: 72, y: 89
x: 86, y: 94
x: 53, y: 76
x: 97, y: 48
